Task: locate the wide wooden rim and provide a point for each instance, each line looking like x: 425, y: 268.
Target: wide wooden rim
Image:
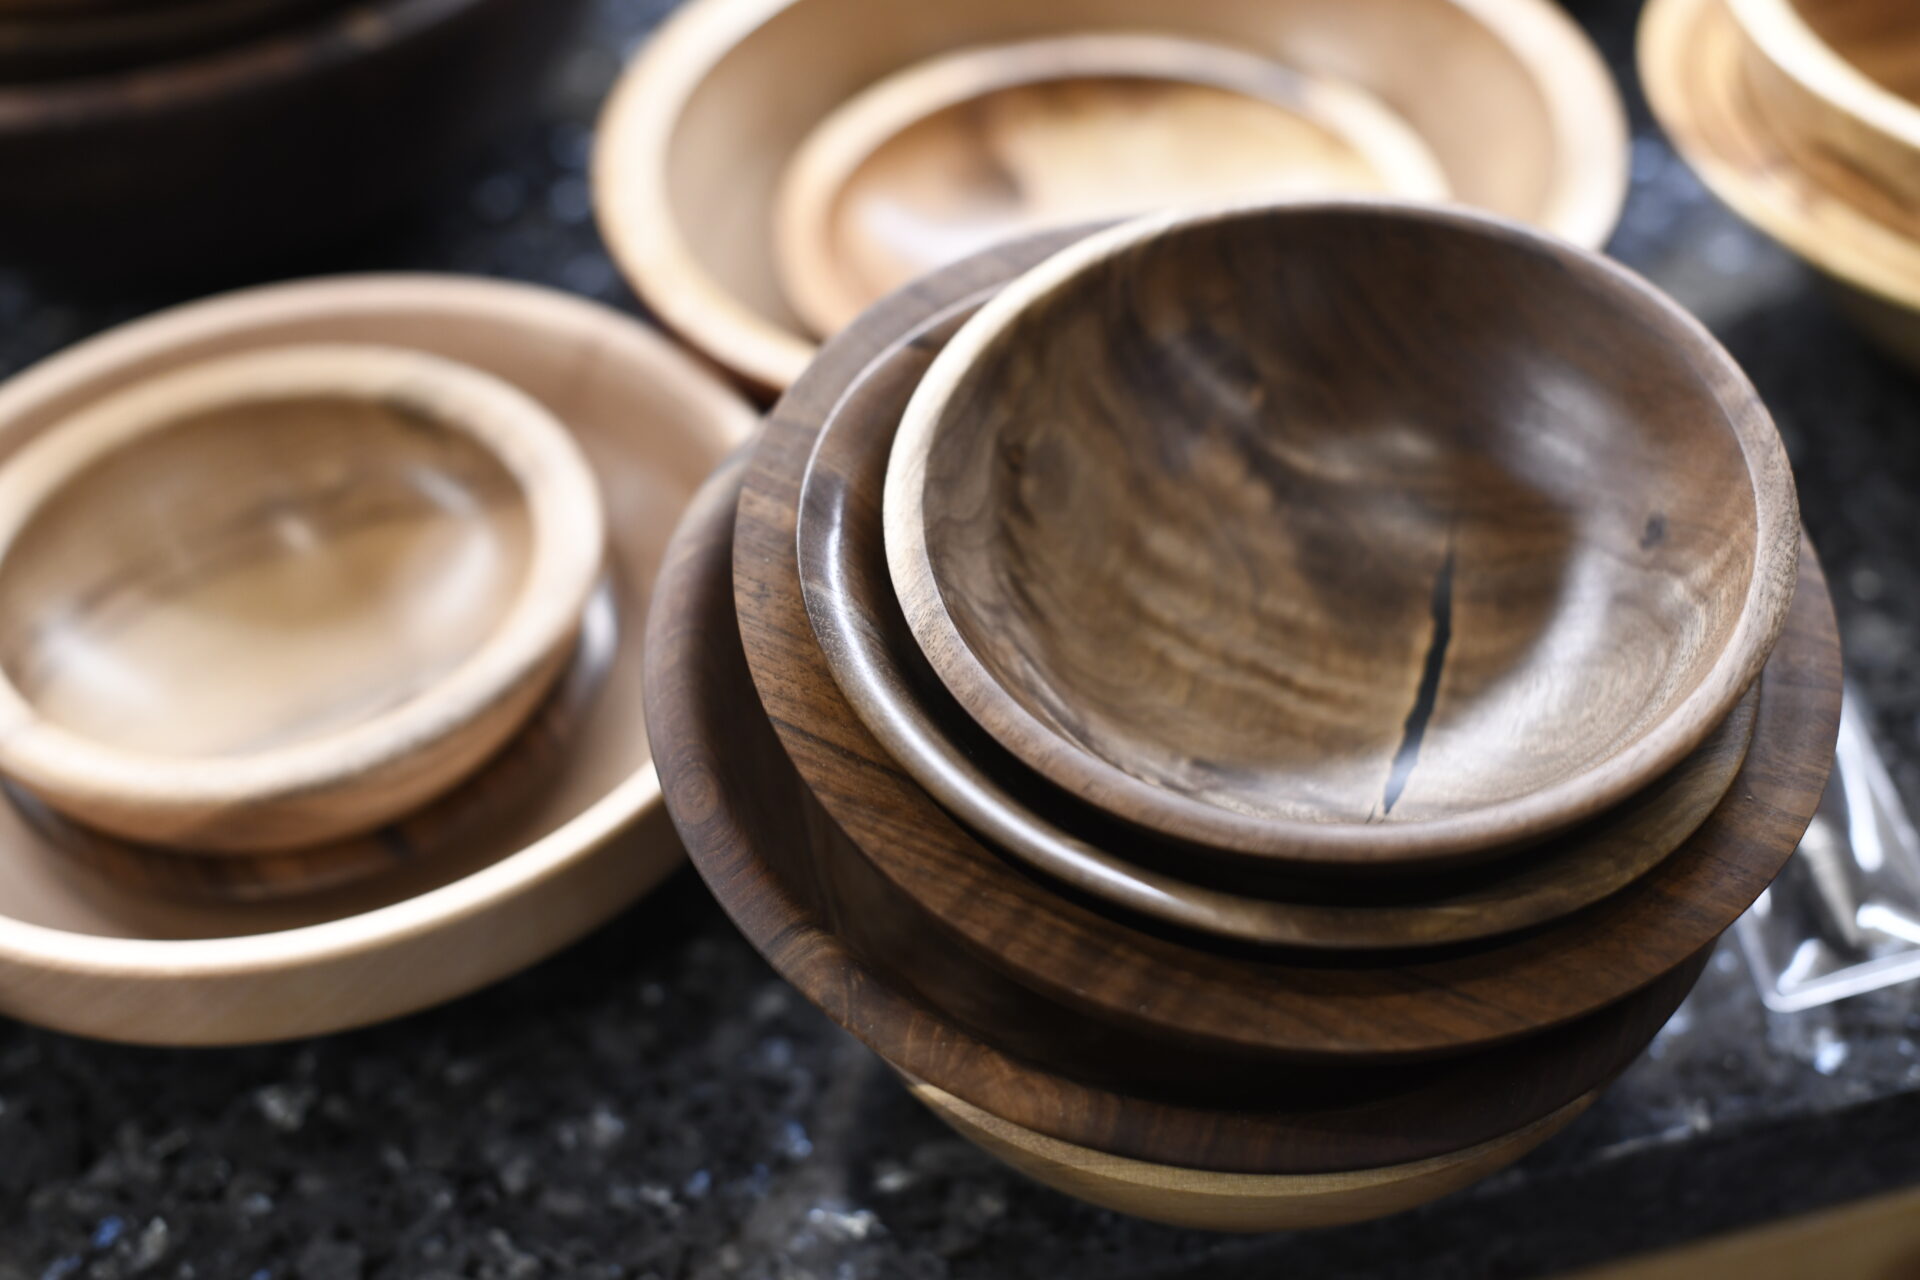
x: 507, y: 915
x: 635, y: 133
x: 1447, y: 839
x: 1783, y: 37
x: 1690, y: 56
x: 854, y: 132
x: 561, y: 497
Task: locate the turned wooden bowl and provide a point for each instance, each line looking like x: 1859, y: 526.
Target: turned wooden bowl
x: 866, y: 642
x: 285, y: 596
x: 1698, y: 69
x: 475, y: 892
x: 1508, y: 95
x: 234, y: 160
x: 1357, y: 536
x: 962, y: 151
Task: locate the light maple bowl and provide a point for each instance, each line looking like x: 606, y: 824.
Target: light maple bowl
x: 100, y: 957
x: 285, y: 596
x: 1352, y: 535
x: 1509, y: 96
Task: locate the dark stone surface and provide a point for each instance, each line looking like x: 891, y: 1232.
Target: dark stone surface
x: 654, y: 1103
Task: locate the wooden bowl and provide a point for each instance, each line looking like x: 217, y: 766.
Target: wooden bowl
x: 77, y: 41
x: 694, y: 140
x: 285, y: 596
x: 1839, y: 80
x: 894, y: 977
x: 1695, y: 65
x: 1196, y: 561
x: 962, y: 151
x: 1203, y: 1200
x: 94, y: 958
x: 240, y: 157
x: 1233, y: 1007
x: 877, y: 665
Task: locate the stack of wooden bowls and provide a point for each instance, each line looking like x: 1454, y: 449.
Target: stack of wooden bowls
x: 1256, y: 714
x: 1804, y: 116
x: 155, y: 138
x: 767, y: 168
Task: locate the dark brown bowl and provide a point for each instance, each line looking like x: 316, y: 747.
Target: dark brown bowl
x: 1348, y: 535
x: 203, y: 166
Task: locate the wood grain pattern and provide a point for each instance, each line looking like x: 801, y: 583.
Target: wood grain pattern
x: 285, y: 596
x: 1194, y: 558
x: 119, y: 962
x: 897, y: 979
x: 1131, y: 978
x: 291, y: 140
x: 960, y: 152
x: 1691, y: 57
x: 877, y: 665
x: 694, y: 139
x: 1202, y: 1200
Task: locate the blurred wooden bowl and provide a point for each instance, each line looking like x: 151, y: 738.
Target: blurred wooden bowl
x: 1192, y: 558
x: 894, y: 976
x: 97, y: 958
x: 960, y: 152
x: 195, y: 169
x: 1695, y: 64
x: 876, y: 663
x: 1241, y: 1011
x: 1508, y: 95
x: 285, y: 596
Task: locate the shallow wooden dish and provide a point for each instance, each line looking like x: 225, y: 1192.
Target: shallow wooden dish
x: 119, y: 963
x: 285, y: 596
x: 1839, y: 80
x: 896, y: 978
x: 694, y: 140
x: 955, y: 154
x: 1693, y: 63
x: 1203, y: 1200
x: 242, y: 156
x: 1274, y: 1006
x: 872, y: 654
x: 54, y: 42
x: 1193, y: 559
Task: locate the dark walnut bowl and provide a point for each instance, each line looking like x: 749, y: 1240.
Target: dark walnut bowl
x: 1353, y: 535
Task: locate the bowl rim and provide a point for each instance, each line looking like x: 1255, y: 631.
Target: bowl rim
x: 1476, y: 833
x: 1784, y: 38
x: 575, y: 875
x: 553, y: 484
x: 848, y: 138
x: 634, y: 138
x: 1681, y: 45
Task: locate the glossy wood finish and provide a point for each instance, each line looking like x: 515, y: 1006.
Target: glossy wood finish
x: 285, y: 596
x: 879, y: 668
x: 694, y: 139
x: 1691, y: 56
x: 241, y: 157
x: 1192, y: 558
x: 1280, y: 1007
x: 84, y: 40
x: 1839, y: 81
x: 1202, y: 1200
x: 899, y: 980
x: 96, y: 959
x: 955, y: 154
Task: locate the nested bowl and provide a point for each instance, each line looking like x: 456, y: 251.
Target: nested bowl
x: 957, y: 153
x: 1508, y: 95
x: 1352, y: 536
x: 477, y: 889
x: 877, y: 665
x: 285, y: 596
x: 239, y: 157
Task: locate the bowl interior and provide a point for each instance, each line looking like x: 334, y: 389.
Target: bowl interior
x: 650, y: 442
x: 1338, y: 517
x: 1881, y: 38
x: 259, y: 574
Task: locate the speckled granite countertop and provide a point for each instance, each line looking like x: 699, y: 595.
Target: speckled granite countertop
x: 655, y: 1103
